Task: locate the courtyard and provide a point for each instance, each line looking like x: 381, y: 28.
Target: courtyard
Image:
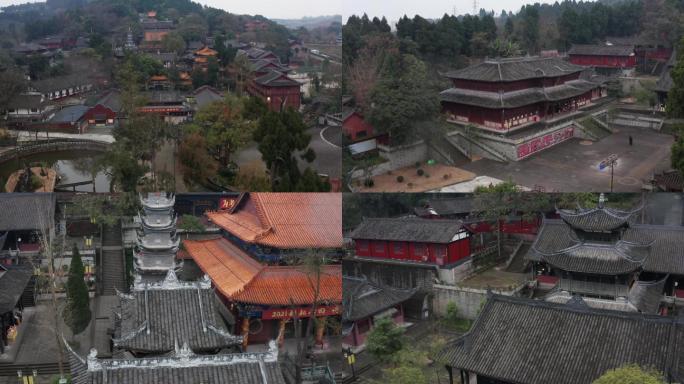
x: 572, y: 166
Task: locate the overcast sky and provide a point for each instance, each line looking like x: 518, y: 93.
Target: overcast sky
x: 393, y: 10
x: 278, y: 9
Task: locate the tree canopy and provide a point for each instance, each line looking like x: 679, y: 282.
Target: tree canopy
x: 77, y: 315
x: 630, y: 374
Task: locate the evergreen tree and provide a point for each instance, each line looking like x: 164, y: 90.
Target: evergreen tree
x: 77, y: 315
x: 675, y: 98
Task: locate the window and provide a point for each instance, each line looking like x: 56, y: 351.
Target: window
x: 398, y: 247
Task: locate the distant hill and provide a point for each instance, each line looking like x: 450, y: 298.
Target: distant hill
x: 309, y: 22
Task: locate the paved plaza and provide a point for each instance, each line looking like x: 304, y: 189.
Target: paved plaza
x: 573, y: 166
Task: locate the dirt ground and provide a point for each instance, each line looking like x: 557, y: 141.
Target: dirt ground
x: 415, y: 183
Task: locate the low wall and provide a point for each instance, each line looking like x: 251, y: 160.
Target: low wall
x: 404, y: 155
x: 52, y: 146
x: 467, y: 300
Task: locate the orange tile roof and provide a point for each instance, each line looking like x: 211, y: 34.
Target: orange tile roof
x: 159, y: 78
x: 206, y: 51
x: 285, y: 220
x: 292, y: 285
x: 200, y: 59
x: 241, y: 278
x: 229, y: 267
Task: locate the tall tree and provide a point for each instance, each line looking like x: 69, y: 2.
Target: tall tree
x: 77, y: 316
x: 675, y: 98
x: 402, y: 98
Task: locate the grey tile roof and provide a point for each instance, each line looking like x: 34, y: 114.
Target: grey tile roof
x: 276, y: 79
x: 607, y: 259
x: 179, y: 367
x: 598, y: 219
x: 452, y: 206
x: 26, y: 101
x: 408, y: 229
x: 536, y: 342
x: 70, y: 114
x: 646, y: 295
x: 154, y: 319
x: 13, y: 281
x: 206, y: 95
x: 26, y: 211
x: 517, y: 98
x: 514, y: 69
x: 666, y: 249
x: 601, y: 50
x: 362, y: 298
x: 110, y: 99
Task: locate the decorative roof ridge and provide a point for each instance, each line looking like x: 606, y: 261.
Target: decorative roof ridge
x: 262, y: 213
x: 652, y: 282
x: 141, y: 328
x: 183, y: 358
x: 171, y: 283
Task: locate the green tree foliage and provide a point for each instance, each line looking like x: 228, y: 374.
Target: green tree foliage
x: 11, y: 84
x: 677, y: 153
x: 355, y: 31
x: 529, y: 28
x: 675, y: 98
x: 385, y: 340
x: 404, y: 374
x: 198, y: 165
x: 77, y: 314
x: 402, y: 98
x: 193, y: 27
x: 173, y: 42
x: 280, y: 135
x: 224, y: 126
x: 124, y: 169
x: 190, y: 223
x: 631, y: 374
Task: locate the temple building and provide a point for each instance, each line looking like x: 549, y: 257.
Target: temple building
x: 265, y: 300
x: 607, y: 59
x: 603, y: 255
x: 442, y: 243
x: 273, y: 227
x: 157, y: 241
x: 270, y: 81
x: 504, y: 95
x: 202, y: 57
x: 170, y: 106
x: 365, y: 303
x: 23, y: 217
x: 528, y: 341
x: 16, y: 293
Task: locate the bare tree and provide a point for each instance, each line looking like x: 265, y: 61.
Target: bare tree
x: 50, y: 243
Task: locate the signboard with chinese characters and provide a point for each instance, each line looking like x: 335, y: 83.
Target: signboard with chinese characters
x: 226, y: 203
x: 539, y: 143
x: 288, y: 313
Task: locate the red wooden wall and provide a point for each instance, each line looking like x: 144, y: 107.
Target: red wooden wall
x: 430, y: 253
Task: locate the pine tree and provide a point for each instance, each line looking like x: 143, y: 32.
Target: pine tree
x: 77, y: 314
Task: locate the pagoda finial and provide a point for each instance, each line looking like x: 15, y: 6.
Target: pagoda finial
x: 602, y: 200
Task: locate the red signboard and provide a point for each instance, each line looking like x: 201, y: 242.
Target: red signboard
x: 542, y: 142
x: 226, y: 203
x: 287, y: 313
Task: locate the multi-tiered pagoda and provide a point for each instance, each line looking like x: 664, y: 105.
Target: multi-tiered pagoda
x: 157, y: 242
x: 604, y: 256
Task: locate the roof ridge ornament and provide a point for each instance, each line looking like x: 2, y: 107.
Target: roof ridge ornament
x: 602, y: 200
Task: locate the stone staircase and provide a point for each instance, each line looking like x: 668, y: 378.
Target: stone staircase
x: 28, y: 297
x: 113, y: 272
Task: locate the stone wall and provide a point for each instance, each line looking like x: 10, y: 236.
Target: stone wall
x: 467, y: 300
x: 404, y: 155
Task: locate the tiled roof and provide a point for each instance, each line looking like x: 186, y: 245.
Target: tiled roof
x: 181, y: 366
x: 13, y: 281
x: 276, y: 79
x: 70, y: 114
x: 608, y: 259
x: 285, y: 220
x: 514, y: 69
x: 26, y: 100
x: 239, y: 277
x: 517, y: 98
x: 601, y: 50
x: 597, y: 219
x: 206, y: 51
x: 408, y: 229
x: 452, y: 206
x: 666, y: 244
x: 157, y: 318
x: 536, y: 342
x: 363, y: 298
x: 292, y: 285
x: 26, y: 211
x: 228, y: 266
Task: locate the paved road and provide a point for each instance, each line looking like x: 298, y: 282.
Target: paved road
x: 572, y: 167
